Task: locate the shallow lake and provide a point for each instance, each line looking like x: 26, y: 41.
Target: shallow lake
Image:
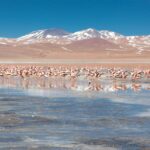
x: 57, y: 114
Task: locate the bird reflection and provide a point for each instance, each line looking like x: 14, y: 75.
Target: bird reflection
x: 72, y: 84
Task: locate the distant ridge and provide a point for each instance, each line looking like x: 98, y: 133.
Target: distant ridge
x: 56, y: 42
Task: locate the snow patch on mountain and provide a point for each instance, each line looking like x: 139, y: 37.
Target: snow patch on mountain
x: 139, y: 42
x: 92, y: 33
x: 44, y: 34
x: 84, y: 34
x: 66, y: 49
x: 105, y: 34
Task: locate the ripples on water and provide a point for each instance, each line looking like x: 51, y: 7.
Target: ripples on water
x: 74, y: 114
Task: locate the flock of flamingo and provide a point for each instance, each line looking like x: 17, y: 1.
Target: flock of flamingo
x: 25, y: 71
x: 49, y: 76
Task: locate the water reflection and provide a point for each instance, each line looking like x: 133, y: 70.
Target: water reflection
x: 74, y: 114
x: 105, y: 85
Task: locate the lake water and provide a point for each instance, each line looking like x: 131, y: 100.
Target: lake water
x: 58, y: 114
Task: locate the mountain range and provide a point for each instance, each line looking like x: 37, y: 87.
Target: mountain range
x: 88, y: 43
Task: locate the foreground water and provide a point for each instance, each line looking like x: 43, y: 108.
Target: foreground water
x: 57, y: 114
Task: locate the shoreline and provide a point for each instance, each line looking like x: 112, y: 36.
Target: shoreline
x: 75, y: 61
x: 90, y: 65
x: 125, y: 63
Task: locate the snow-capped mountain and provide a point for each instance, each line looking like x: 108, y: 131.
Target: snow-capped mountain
x: 61, y: 37
x: 88, y: 40
x: 44, y: 34
x: 79, y: 35
x: 84, y: 34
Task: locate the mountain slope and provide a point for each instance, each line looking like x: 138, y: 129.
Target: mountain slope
x: 91, y: 43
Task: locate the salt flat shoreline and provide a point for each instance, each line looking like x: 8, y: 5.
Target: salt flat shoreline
x: 75, y: 61
x: 91, y: 65
x: 125, y: 63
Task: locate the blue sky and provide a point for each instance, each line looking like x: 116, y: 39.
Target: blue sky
x: 129, y: 17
